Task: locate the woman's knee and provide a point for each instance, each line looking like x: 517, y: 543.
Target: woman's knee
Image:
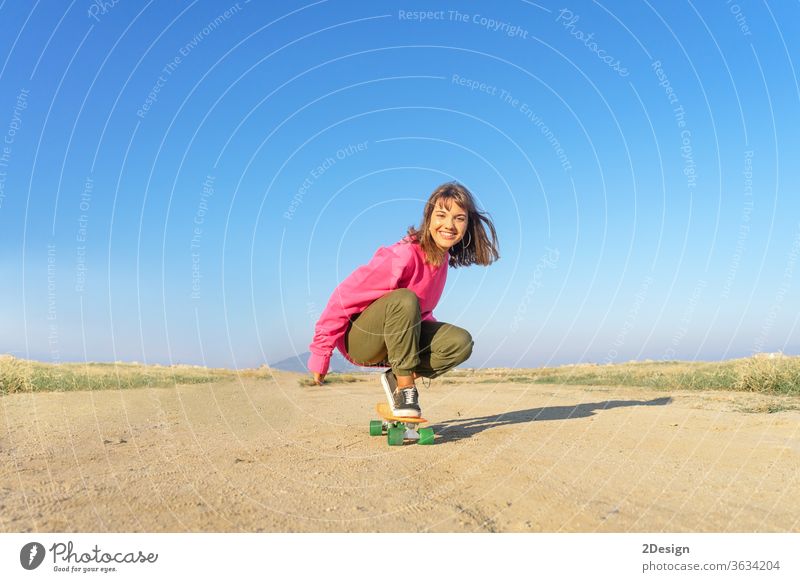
x: 404, y: 299
x: 460, y: 343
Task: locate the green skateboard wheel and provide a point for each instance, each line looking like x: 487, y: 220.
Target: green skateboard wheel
x: 395, y: 435
x: 375, y: 427
x: 426, y: 436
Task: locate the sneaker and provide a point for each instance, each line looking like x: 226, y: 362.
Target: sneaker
x: 403, y: 402
x: 406, y: 402
x: 389, y: 383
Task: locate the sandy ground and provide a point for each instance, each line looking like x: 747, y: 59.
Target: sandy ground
x: 271, y: 455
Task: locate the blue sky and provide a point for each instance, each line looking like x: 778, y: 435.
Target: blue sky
x: 188, y: 182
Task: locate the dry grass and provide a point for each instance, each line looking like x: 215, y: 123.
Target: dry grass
x: 18, y: 375
x: 763, y: 373
x: 774, y: 374
x: 779, y: 375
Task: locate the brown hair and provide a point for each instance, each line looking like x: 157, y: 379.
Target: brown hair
x: 479, y: 248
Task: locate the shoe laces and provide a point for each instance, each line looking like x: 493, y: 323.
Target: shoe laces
x: 410, y: 395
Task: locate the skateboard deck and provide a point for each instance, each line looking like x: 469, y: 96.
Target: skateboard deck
x: 386, y: 414
x: 399, y: 429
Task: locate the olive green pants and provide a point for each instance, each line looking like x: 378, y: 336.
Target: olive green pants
x: 390, y: 333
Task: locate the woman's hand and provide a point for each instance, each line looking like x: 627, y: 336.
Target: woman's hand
x: 318, y: 378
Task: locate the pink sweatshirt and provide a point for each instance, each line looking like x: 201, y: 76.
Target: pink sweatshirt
x: 399, y: 266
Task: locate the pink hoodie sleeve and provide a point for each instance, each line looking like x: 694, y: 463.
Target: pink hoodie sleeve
x: 367, y: 283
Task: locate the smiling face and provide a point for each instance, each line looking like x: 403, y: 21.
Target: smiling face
x: 448, y: 225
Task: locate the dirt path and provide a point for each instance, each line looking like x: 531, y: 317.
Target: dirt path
x: 265, y: 456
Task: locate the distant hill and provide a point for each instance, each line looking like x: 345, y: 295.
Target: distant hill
x: 338, y: 364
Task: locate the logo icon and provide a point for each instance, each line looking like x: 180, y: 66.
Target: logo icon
x: 31, y: 555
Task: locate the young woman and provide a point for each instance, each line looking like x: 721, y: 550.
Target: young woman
x: 382, y: 314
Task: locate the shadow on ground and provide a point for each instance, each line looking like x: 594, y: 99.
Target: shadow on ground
x: 453, y: 430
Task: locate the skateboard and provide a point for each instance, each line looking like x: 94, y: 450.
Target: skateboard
x: 398, y: 429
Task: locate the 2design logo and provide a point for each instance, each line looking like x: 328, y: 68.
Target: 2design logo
x: 31, y: 555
